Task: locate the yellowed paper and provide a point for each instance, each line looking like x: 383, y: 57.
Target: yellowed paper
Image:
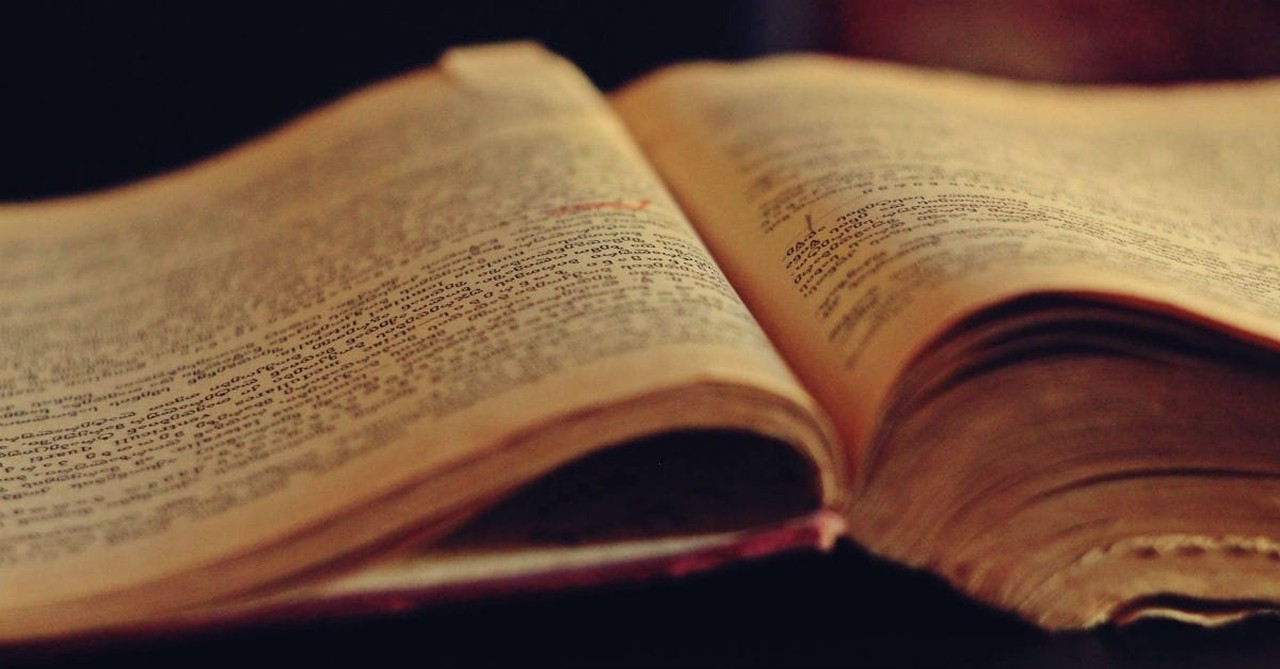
x: 215, y: 378
x: 863, y: 208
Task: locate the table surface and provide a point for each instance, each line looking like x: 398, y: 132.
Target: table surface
x: 844, y: 608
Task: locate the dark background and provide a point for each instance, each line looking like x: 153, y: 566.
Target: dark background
x: 93, y: 94
x: 98, y: 94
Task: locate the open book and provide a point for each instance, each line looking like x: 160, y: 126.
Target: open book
x: 482, y: 328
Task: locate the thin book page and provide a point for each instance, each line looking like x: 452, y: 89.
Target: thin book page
x: 864, y: 208
x: 216, y: 362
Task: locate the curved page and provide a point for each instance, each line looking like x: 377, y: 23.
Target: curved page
x: 864, y: 208
x: 200, y: 372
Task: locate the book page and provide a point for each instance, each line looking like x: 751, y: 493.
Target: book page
x: 864, y: 208
x: 215, y: 378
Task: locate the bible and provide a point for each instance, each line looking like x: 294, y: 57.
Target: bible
x: 483, y: 328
